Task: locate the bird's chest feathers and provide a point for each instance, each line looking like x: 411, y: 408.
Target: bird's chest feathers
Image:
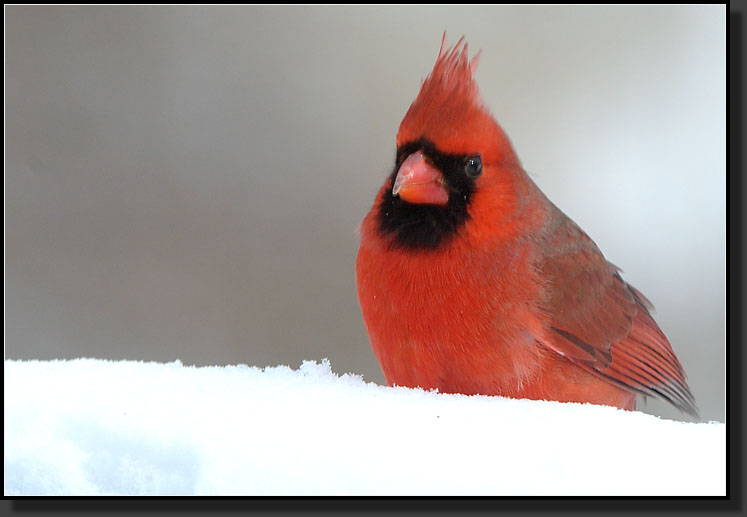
x: 443, y: 313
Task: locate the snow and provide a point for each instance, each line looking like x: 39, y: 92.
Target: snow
x: 89, y: 427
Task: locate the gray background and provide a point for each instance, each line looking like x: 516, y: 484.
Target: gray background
x: 185, y: 182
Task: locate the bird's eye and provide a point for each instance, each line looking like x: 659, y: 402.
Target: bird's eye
x: 473, y: 167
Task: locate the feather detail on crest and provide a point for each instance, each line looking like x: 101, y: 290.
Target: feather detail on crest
x: 449, y: 110
x: 453, y: 72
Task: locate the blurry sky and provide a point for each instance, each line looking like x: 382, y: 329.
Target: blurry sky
x: 186, y: 182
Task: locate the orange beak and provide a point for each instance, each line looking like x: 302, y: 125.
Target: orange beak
x: 420, y: 182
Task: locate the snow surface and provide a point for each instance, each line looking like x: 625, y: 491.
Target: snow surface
x: 87, y: 427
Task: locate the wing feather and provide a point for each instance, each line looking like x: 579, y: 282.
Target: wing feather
x: 600, y: 322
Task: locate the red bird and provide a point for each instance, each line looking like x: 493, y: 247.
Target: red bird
x: 471, y: 281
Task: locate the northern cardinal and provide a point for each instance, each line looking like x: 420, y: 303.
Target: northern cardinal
x: 471, y: 281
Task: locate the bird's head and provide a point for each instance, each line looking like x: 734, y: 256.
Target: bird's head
x: 449, y: 149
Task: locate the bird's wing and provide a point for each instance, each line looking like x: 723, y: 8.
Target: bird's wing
x: 602, y: 323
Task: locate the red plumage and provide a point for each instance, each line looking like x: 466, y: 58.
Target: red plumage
x: 497, y: 292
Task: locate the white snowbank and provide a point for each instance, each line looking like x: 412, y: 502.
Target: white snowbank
x: 87, y: 427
